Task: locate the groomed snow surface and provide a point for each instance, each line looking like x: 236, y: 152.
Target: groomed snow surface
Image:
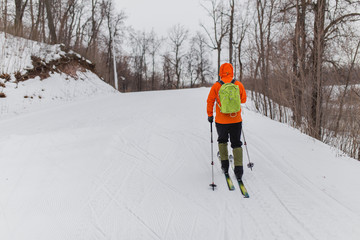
x: 137, y: 166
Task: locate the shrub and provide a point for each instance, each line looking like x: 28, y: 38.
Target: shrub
x: 2, y: 95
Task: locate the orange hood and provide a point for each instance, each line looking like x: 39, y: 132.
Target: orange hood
x: 226, y: 72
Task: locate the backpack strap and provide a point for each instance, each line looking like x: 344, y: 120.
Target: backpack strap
x: 222, y: 82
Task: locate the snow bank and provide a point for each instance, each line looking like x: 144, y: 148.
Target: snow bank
x: 58, y: 88
x: 16, y: 52
x: 32, y: 94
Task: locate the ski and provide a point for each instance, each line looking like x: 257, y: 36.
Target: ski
x: 243, y: 189
x: 229, y: 182
x: 240, y: 182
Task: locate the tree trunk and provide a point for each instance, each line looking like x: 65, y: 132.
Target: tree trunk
x: 32, y: 18
x: 318, y: 50
x: 241, y: 67
x: 50, y: 22
x: 5, y: 17
x: 19, y: 13
x: 35, y: 30
x: 231, y: 33
x: 17, y: 16
x: 43, y: 32
x: 218, y: 60
x: 299, y: 53
x: 63, y: 22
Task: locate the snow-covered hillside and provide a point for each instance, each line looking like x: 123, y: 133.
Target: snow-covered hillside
x: 58, y: 88
x: 137, y: 166
x: 54, y: 87
x: 16, y: 53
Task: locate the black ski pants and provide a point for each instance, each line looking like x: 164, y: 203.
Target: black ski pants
x: 233, y: 130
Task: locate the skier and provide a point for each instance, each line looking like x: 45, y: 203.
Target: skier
x: 227, y: 124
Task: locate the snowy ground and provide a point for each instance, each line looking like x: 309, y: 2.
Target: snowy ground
x: 137, y: 166
x: 33, y: 94
x: 58, y: 88
x: 16, y: 52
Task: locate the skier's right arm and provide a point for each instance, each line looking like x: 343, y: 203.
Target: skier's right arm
x: 210, y: 101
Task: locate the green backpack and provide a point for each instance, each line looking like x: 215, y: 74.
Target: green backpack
x: 229, y: 95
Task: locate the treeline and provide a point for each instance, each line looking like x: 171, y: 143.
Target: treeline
x: 303, y: 56
x: 96, y: 30
x: 299, y: 57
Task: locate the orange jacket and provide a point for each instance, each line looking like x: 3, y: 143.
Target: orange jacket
x: 226, y: 74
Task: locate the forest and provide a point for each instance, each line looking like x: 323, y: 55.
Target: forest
x: 298, y: 58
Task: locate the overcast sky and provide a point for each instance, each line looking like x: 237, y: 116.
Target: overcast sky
x: 161, y: 15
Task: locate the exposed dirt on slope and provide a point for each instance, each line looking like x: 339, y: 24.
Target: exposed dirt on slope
x: 69, y: 64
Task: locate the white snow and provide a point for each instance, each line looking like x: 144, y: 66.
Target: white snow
x: 32, y: 94
x: 137, y: 166
x: 337, y: 91
x: 58, y: 88
x: 16, y: 52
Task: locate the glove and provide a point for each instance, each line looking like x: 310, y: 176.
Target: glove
x: 211, y: 119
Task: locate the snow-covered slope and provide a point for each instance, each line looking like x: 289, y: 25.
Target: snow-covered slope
x: 54, y: 87
x: 58, y: 88
x: 137, y: 166
x: 16, y: 52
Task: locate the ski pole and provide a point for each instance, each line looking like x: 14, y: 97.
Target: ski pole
x: 213, y: 185
x: 250, y: 164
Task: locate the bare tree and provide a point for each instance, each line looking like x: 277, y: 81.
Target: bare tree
x: 220, y: 27
x: 202, y: 59
x: 241, y: 29
x: 19, y: 13
x: 190, y: 65
x: 299, y: 55
x: 80, y: 26
x: 322, y: 34
x: 154, y: 46
x: 69, y: 9
x: 265, y: 15
x: 140, y: 45
x: 32, y: 16
x: 5, y: 15
x: 168, y: 72
x: 50, y: 21
x: 96, y: 20
x: 36, y: 20
x: 231, y: 29
x: 177, y: 35
x: 114, y: 22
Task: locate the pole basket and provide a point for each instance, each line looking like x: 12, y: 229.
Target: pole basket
x: 250, y: 165
x: 213, y: 185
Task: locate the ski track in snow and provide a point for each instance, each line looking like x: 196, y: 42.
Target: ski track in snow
x: 137, y: 166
